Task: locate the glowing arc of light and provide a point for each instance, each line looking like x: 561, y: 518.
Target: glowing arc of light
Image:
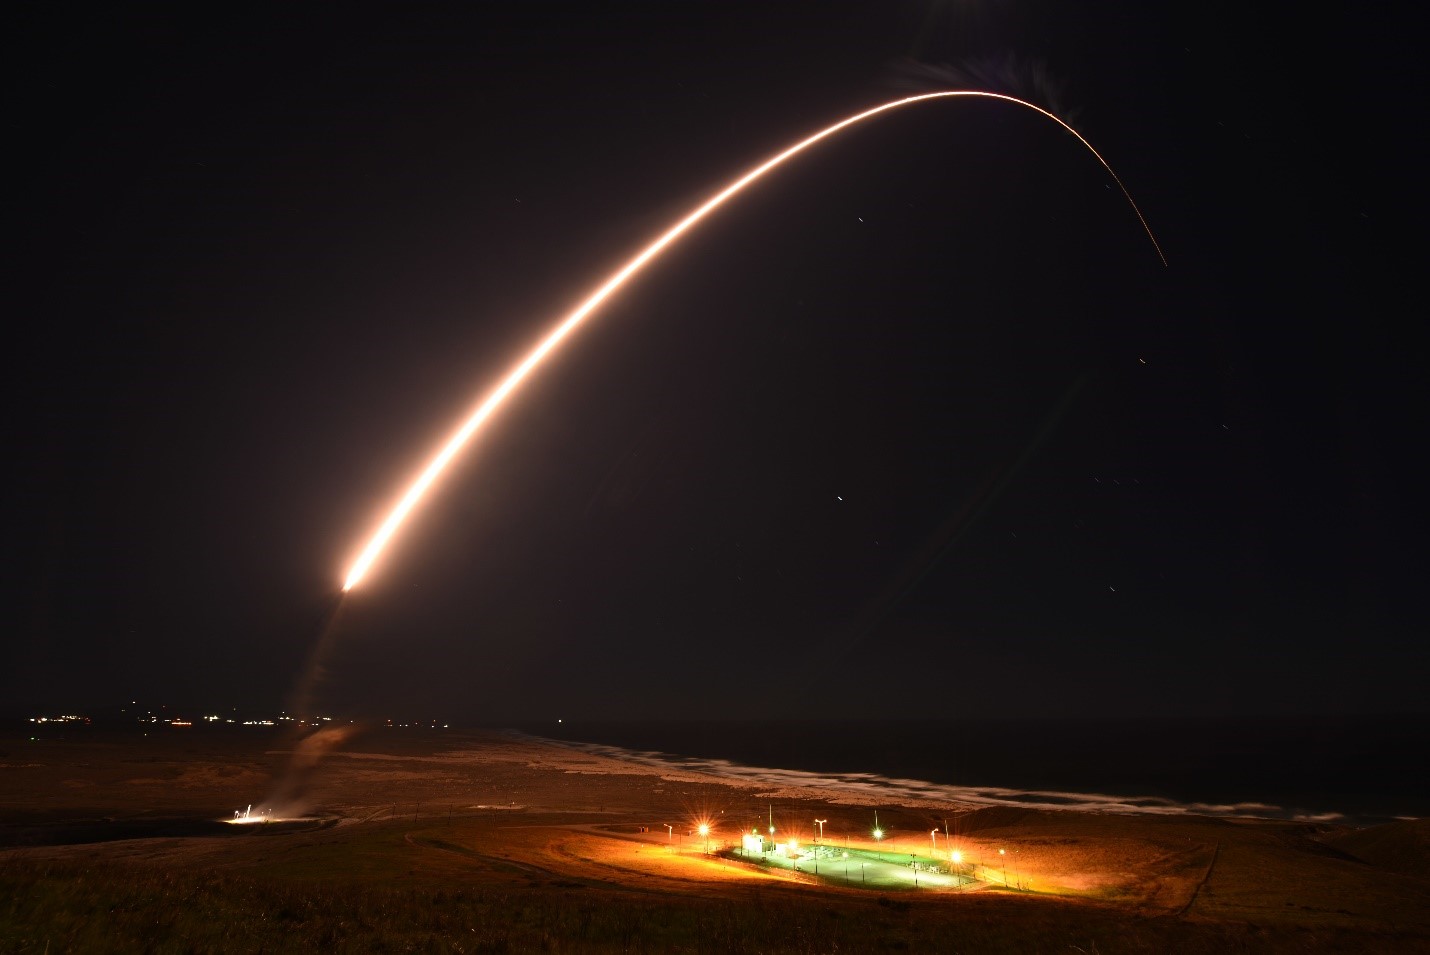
x: 513, y: 378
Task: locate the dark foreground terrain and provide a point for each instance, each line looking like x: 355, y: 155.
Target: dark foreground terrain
x: 424, y: 841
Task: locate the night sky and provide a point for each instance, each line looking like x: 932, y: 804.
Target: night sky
x: 924, y: 409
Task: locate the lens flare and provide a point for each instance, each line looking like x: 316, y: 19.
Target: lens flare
x: 453, y: 446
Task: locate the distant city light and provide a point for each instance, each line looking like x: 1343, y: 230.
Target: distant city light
x: 160, y: 715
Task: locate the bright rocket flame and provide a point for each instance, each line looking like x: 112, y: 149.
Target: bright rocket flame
x: 517, y: 375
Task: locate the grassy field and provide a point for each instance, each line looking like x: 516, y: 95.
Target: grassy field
x: 485, y: 844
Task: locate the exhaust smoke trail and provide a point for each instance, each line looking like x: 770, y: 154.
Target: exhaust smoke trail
x: 300, y: 702
x: 453, y: 446
x: 289, y: 799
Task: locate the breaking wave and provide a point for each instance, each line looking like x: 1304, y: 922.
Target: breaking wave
x: 858, y: 789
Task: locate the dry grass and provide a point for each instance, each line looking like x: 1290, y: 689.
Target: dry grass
x: 561, y: 866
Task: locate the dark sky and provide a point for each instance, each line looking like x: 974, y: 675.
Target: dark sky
x: 924, y: 411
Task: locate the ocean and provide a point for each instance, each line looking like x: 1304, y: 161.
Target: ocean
x: 1360, y: 770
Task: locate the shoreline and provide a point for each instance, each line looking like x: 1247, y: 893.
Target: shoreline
x: 473, y: 823
x: 869, y: 789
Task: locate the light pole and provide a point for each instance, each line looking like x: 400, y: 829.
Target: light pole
x: 933, y: 842
x: 878, y: 833
x: 955, y: 859
x: 820, y: 823
x: 669, y: 833
x: 1003, y: 859
x: 705, y: 834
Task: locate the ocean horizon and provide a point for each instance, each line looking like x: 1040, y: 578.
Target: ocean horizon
x: 1355, y: 770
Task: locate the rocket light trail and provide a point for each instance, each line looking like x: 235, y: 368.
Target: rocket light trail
x: 414, y: 494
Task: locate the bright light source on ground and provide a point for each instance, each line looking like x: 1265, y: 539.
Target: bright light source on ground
x: 251, y: 816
